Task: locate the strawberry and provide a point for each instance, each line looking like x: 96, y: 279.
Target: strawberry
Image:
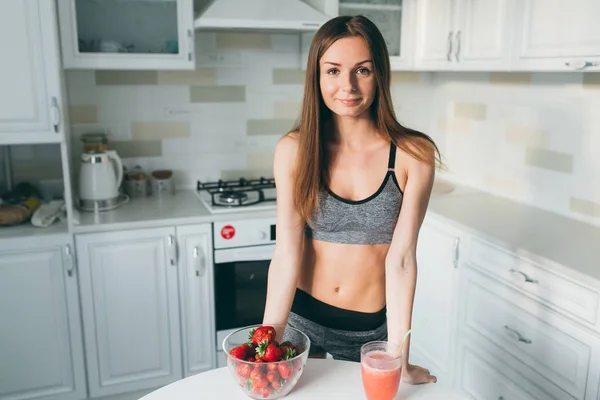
x: 256, y: 374
x: 284, y: 370
x: 276, y: 385
x: 265, y: 392
x: 242, y: 351
x: 288, y: 352
x: 273, y: 376
x: 261, y: 334
x: 260, y: 383
x: 268, y: 352
x: 243, y: 370
x: 271, y: 367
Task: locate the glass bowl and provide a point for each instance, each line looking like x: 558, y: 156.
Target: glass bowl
x: 266, y: 380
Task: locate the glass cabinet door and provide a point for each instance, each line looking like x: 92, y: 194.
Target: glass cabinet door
x: 127, y: 34
x: 394, y: 20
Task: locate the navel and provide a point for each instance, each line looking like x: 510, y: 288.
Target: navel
x: 337, y: 289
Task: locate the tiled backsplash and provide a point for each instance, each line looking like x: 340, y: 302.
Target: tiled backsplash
x: 530, y: 137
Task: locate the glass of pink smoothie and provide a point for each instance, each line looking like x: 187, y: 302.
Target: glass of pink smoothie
x: 381, y: 368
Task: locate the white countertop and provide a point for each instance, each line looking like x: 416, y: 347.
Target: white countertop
x: 321, y: 379
x: 523, y: 229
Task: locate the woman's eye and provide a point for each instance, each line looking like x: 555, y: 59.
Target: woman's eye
x: 363, y: 71
x: 332, y: 71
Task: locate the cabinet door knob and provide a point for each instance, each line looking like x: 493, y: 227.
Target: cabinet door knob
x: 579, y: 65
x: 458, y: 34
x: 518, y: 335
x: 456, y: 252
x: 525, y: 276
x: 68, y: 261
x: 55, y: 114
x: 200, y: 261
x: 449, y: 55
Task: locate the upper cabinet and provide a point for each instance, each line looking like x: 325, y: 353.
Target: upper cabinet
x: 30, y: 99
x: 127, y: 34
x: 464, y: 35
x: 554, y: 35
x: 394, y: 18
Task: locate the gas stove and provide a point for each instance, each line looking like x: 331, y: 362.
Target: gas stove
x: 238, y: 195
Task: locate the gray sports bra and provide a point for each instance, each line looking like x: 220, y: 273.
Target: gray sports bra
x: 368, y: 221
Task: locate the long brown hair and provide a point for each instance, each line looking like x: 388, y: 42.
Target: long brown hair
x: 312, y: 170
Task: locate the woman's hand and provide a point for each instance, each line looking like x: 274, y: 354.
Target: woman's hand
x: 415, y: 375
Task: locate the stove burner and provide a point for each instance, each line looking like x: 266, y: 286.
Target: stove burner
x: 229, y: 197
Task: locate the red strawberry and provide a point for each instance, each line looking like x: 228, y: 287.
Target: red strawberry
x: 261, y: 334
x: 273, y: 376
x: 271, y: 367
x: 288, y: 352
x: 268, y: 352
x: 276, y: 385
x: 284, y: 370
x: 265, y: 392
x: 260, y: 383
x: 242, y: 351
x: 256, y: 374
x: 243, y: 370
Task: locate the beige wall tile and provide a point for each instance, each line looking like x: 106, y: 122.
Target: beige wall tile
x: 453, y: 125
x: 553, y: 160
x: 83, y: 114
x: 201, y: 76
x: 587, y: 207
x: 510, y: 78
x: 260, y: 161
x: 287, y: 109
x: 257, y: 127
x: 474, y: 111
x: 149, y: 148
x: 217, y: 94
x: 288, y: 76
x: 591, y: 80
x: 159, y: 130
x: 399, y: 77
x: 246, y: 173
x: 508, y: 186
x: 245, y: 40
x: 104, y: 78
x: 526, y: 136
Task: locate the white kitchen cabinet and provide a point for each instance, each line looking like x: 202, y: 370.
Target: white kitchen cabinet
x: 130, y: 308
x: 438, y: 253
x: 464, y: 35
x: 539, y: 347
x: 196, y: 298
x: 41, y: 350
x: 127, y: 34
x: 395, y: 20
x: 554, y: 35
x: 30, y: 97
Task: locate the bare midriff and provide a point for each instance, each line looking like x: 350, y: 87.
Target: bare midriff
x: 347, y: 276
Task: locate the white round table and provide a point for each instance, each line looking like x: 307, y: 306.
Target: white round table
x: 322, y: 379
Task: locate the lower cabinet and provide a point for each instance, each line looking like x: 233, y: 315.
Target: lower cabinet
x: 435, y: 303
x: 147, y: 306
x: 41, y: 352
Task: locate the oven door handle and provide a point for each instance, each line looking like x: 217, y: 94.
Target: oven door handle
x: 241, y: 254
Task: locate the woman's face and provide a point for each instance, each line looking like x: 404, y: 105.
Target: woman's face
x: 347, y: 82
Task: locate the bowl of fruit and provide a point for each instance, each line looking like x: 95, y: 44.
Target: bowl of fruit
x: 263, y: 364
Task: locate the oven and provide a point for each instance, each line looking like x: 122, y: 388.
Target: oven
x: 242, y: 253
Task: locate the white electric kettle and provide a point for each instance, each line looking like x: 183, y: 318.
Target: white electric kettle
x: 100, y: 177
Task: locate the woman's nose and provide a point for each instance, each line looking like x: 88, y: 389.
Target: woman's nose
x: 349, y: 83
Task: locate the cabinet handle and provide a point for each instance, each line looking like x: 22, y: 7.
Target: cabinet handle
x: 200, y: 261
x: 69, y: 264
x: 173, y: 250
x: 190, y: 44
x: 449, y: 55
x: 521, y: 338
x: 458, y: 34
x: 581, y: 64
x: 527, y: 278
x: 501, y: 398
x: 456, y: 252
x: 56, y: 118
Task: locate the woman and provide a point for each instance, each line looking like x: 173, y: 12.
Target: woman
x: 353, y: 186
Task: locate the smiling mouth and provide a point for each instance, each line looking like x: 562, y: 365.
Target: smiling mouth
x: 349, y: 102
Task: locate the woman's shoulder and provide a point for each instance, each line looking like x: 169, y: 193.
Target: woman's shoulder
x: 287, y: 147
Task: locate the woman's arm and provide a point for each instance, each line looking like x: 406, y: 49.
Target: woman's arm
x: 284, y: 270
x: 401, y: 261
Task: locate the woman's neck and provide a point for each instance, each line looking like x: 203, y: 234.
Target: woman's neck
x: 354, y: 133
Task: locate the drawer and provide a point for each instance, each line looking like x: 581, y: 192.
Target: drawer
x: 557, y: 356
x: 485, y: 378
x: 562, y: 294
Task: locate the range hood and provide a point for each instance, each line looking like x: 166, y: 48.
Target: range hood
x: 269, y: 15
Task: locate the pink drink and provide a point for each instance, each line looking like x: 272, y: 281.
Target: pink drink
x: 381, y: 372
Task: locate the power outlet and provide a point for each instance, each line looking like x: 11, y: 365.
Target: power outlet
x: 219, y: 60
